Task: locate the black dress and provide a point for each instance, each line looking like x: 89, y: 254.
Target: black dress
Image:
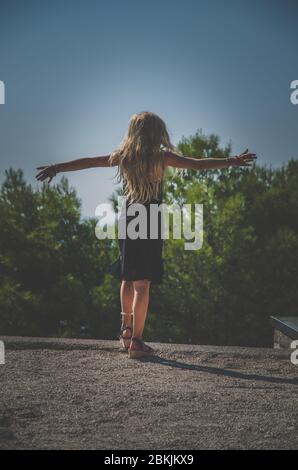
x: 141, y: 258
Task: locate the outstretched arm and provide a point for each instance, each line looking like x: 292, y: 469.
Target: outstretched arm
x: 244, y: 159
x: 49, y: 171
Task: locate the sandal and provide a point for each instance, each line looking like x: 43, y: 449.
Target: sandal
x: 139, y: 349
x: 125, y: 340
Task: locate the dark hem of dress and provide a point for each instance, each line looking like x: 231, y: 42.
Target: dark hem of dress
x: 115, y: 269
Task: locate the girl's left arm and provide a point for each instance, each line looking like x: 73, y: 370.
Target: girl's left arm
x: 244, y: 159
x: 49, y: 171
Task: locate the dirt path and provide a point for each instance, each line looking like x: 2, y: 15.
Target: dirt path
x: 84, y: 394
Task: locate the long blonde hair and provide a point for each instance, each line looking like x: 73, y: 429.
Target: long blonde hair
x: 140, y: 155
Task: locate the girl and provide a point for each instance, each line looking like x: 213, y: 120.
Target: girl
x: 142, y: 158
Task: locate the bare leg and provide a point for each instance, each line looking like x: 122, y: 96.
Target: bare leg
x: 140, y: 306
x: 126, y: 298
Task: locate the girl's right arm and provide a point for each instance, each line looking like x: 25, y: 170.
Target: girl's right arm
x: 49, y: 171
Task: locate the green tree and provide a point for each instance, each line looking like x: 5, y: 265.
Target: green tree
x: 55, y: 277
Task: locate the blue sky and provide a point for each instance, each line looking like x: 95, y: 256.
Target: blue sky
x: 75, y: 71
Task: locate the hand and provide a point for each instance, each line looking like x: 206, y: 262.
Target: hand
x: 46, y: 171
x: 245, y: 158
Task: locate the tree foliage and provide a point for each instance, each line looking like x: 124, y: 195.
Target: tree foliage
x: 55, y: 277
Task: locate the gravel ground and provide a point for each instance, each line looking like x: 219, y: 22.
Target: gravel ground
x: 86, y: 394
